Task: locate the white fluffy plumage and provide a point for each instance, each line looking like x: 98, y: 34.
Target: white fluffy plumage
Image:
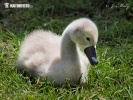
x: 45, y: 54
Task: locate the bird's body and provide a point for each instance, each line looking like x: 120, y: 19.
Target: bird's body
x: 45, y: 54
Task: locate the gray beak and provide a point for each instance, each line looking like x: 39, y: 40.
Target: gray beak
x: 91, y: 55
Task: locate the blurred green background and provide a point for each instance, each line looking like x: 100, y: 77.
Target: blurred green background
x: 55, y: 15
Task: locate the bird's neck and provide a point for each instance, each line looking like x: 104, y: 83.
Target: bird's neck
x: 68, y: 48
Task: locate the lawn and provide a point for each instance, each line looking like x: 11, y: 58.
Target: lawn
x: 111, y: 79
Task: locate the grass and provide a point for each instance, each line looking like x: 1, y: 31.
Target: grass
x: 111, y: 79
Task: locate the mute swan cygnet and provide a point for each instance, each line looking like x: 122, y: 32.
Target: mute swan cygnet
x: 45, y: 54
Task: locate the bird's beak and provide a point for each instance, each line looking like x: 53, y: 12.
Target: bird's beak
x: 91, y: 54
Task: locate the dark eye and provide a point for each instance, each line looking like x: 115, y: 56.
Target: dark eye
x: 88, y: 39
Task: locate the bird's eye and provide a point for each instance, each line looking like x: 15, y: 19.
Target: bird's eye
x: 88, y: 39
